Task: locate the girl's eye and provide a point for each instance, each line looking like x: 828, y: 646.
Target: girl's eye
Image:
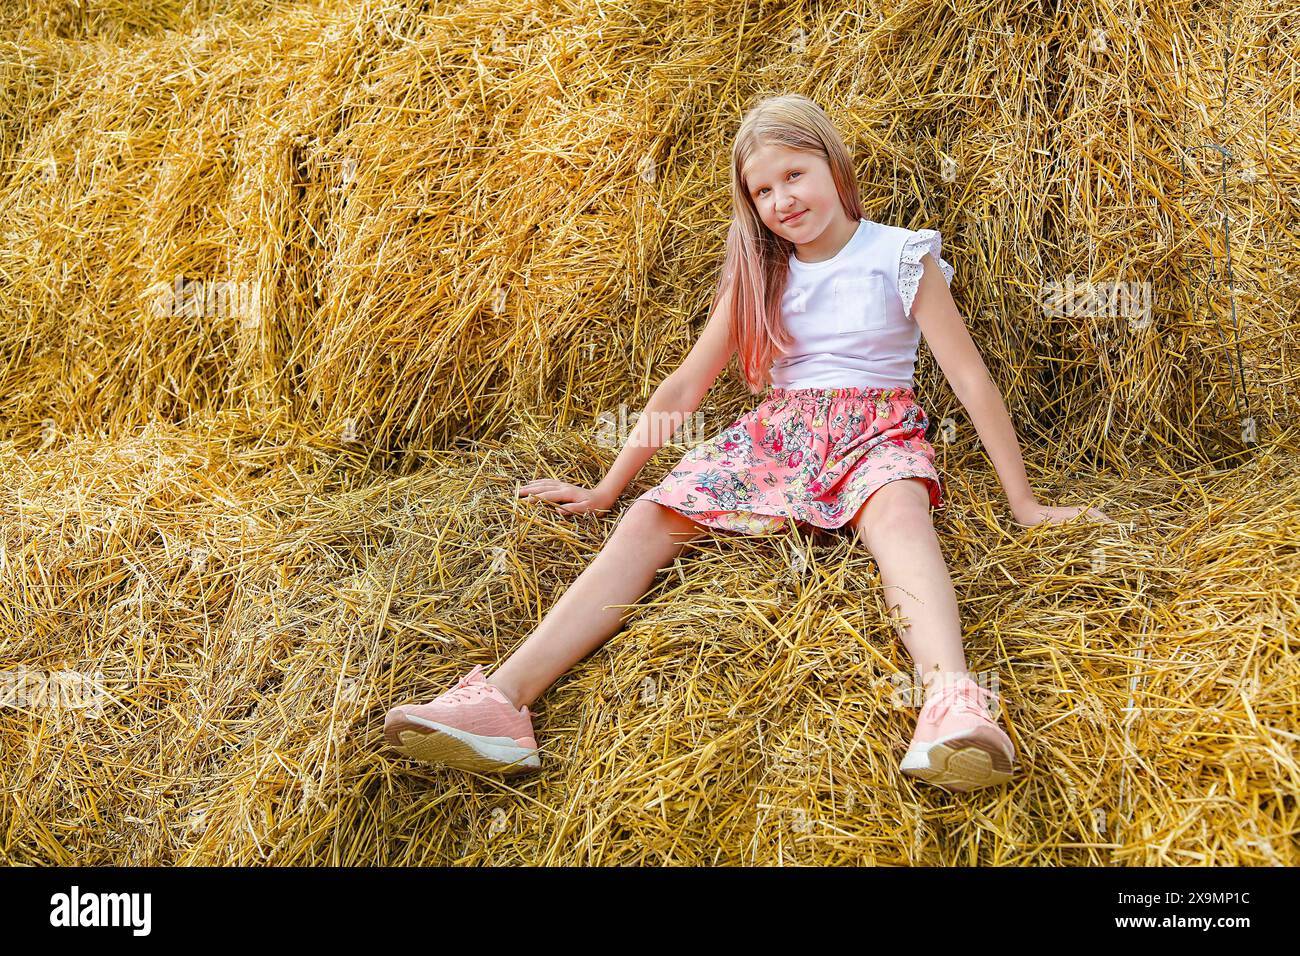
x: 795, y: 173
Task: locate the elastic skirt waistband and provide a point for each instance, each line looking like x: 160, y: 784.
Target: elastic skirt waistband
x: 893, y: 391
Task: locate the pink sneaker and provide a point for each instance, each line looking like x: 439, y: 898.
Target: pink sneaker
x: 473, y: 726
x: 957, y: 745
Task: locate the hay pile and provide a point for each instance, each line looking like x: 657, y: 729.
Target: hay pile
x: 252, y: 629
x: 121, y: 20
x: 471, y: 228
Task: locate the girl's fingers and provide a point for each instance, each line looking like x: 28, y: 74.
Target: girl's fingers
x: 533, y: 486
x: 553, y: 492
x: 545, y: 483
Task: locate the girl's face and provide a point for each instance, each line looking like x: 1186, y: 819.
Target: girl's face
x: 793, y: 192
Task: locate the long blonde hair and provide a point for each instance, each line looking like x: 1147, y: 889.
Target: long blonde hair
x: 756, y: 263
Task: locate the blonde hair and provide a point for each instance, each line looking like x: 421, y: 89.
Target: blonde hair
x: 756, y: 262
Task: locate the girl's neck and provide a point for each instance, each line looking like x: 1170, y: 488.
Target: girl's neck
x: 829, y: 243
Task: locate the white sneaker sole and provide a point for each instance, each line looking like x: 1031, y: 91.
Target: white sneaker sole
x: 452, y: 747
x: 960, y: 763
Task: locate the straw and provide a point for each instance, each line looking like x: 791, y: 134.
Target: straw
x: 477, y: 231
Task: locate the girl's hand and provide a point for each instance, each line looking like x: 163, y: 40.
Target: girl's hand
x: 1029, y: 515
x: 568, y: 498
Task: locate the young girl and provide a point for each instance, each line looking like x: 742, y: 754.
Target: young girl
x: 826, y: 308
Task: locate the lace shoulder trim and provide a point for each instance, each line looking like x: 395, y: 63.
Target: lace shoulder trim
x: 910, y: 268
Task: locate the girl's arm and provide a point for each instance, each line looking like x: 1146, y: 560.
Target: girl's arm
x: 679, y: 395
x: 946, y: 335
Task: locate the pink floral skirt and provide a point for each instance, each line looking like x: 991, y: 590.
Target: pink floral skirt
x: 811, y: 455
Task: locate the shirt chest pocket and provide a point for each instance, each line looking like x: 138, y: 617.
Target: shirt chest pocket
x: 859, y: 303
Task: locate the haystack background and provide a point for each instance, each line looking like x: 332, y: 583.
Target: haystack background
x: 475, y: 227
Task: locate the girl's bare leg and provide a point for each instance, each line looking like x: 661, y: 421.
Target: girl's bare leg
x: 896, y: 526
x: 647, y: 538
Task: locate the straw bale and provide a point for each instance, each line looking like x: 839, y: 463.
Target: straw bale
x: 448, y: 215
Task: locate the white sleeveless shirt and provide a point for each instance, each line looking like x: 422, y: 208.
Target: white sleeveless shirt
x: 851, y: 315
